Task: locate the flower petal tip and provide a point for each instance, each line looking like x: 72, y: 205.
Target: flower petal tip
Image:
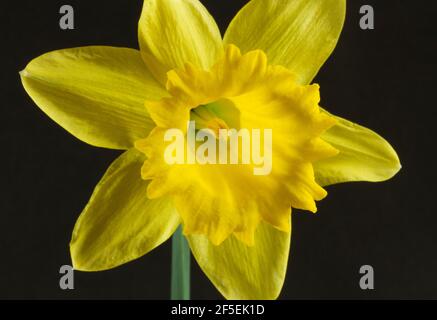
x: 23, y: 73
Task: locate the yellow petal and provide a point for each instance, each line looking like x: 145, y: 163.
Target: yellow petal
x: 364, y: 156
x: 242, y: 272
x: 174, y: 32
x: 297, y: 34
x: 120, y: 223
x: 95, y: 93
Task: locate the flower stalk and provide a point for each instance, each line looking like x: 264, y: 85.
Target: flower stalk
x: 180, y: 267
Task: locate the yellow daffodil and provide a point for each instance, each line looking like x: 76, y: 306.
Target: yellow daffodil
x: 257, y: 76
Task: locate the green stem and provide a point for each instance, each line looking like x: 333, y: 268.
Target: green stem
x: 180, y: 267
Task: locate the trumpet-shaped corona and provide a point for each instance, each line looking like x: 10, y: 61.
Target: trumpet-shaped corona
x: 240, y: 92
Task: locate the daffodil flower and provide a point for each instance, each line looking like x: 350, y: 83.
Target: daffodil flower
x: 258, y: 75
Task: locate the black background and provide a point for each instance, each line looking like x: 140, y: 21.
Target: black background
x: 382, y: 79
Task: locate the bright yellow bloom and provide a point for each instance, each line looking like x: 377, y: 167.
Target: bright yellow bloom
x: 238, y: 224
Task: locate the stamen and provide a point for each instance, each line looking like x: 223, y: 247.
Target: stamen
x: 215, y: 125
x: 206, y: 119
